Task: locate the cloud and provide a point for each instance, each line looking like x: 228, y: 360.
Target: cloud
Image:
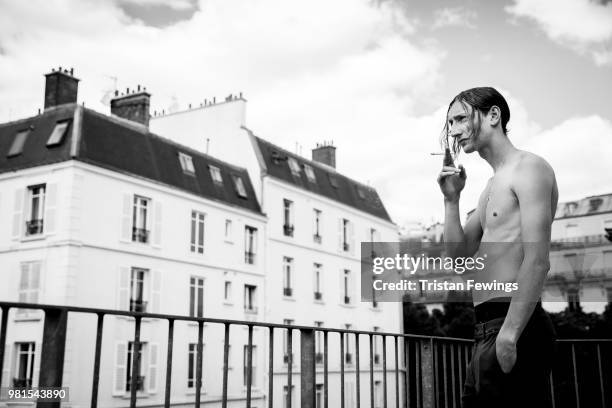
x: 584, y: 26
x: 454, y: 17
x: 174, y: 4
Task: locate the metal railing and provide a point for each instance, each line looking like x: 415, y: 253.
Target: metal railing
x: 414, y: 371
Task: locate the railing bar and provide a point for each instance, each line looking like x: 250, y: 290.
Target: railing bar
x: 419, y: 377
x: 454, y: 384
x: 289, y: 365
x: 552, y: 390
x: 226, y: 347
x: 96, y: 369
x: 384, y: 340
x: 3, y: 326
x: 445, y: 374
x: 342, y: 370
x: 371, y: 372
x: 357, y: 386
x: 199, y: 364
x: 460, y: 366
x: 397, y: 390
x: 271, y: 369
x: 407, y: 376
x: 601, y: 385
x: 434, y: 362
x: 325, y: 371
x: 575, y: 376
x: 169, y: 363
x: 135, y: 363
x: 249, y: 366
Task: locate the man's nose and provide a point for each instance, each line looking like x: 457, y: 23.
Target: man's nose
x: 454, y: 132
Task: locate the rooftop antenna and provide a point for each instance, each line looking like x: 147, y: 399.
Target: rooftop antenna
x: 207, y: 144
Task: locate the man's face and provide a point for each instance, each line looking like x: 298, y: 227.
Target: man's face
x: 460, y: 126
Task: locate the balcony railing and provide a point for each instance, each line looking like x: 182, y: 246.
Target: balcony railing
x: 22, y: 382
x: 288, y: 230
x: 316, y: 238
x: 249, y: 257
x: 140, y: 381
x: 138, y: 306
x: 416, y: 371
x: 140, y: 235
x: 580, y: 242
x: 345, y: 247
x: 287, y: 292
x: 34, y: 227
x: 318, y: 295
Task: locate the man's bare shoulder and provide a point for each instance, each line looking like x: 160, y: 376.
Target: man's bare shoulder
x: 533, y: 166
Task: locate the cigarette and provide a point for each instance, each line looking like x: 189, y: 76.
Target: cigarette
x: 437, y: 153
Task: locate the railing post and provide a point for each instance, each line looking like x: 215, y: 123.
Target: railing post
x: 307, y: 368
x: 427, y: 373
x: 3, y: 325
x: 52, y: 355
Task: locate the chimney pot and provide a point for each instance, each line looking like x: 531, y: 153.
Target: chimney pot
x: 71, y: 71
x: 139, y: 88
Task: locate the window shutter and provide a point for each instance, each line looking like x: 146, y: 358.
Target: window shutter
x: 340, y: 248
x: 123, y: 301
x: 18, y: 219
x: 34, y: 284
x: 157, y: 224
x: 50, y: 208
x: 153, y: 357
x: 155, y: 291
x: 126, y: 218
x: 341, y: 286
x: 351, y: 237
x: 120, y: 371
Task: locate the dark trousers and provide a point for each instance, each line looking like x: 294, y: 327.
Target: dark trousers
x: 527, y: 384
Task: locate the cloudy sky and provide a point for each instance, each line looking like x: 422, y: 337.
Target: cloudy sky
x: 373, y: 76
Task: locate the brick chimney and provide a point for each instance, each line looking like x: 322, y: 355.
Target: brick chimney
x: 61, y: 87
x: 325, y: 153
x: 132, y: 106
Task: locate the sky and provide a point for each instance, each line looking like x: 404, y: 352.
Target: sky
x: 373, y: 76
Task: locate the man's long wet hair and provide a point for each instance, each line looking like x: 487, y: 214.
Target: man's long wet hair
x: 481, y: 99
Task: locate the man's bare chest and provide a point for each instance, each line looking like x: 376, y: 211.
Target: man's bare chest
x: 498, y: 205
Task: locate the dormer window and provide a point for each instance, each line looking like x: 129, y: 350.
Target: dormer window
x: 594, y: 204
x: 310, y: 173
x: 17, y: 146
x: 186, y: 164
x: 57, y: 136
x: 215, y: 173
x: 294, y: 166
x: 360, y: 193
x: 239, y: 184
x: 333, y: 181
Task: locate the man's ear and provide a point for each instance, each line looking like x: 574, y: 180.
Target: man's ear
x: 494, y: 116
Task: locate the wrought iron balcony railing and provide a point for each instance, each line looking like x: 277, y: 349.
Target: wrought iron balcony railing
x: 34, y: 227
x: 288, y: 230
x: 318, y: 296
x: 287, y: 292
x: 249, y: 257
x: 316, y: 238
x: 416, y: 371
x: 140, y: 235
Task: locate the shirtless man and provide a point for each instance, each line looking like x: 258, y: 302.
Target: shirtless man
x: 514, y: 337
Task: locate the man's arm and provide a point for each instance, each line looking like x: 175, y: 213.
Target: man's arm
x: 534, y: 185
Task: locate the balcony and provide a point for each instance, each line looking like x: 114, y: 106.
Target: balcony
x: 288, y: 230
x: 34, y: 227
x: 140, y: 235
x: 345, y: 246
x: 316, y: 238
x: 22, y: 382
x: 318, y: 296
x: 249, y: 258
x: 287, y: 292
x: 430, y: 371
x: 347, y: 300
x: 584, y: 241
x: 138, y: 306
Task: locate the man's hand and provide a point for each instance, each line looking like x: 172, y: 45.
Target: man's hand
x: 505, y: 351
x: 452, y: 181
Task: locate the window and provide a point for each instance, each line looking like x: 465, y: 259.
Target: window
x: 215, y: 174
x: 333, y: 181
x: 287, y: 276
x: 346, y: 286
x: 227, y: 291
x: 197, y: 232
x: 18, y: 142
x: 289, y: 396
x: 57, y: 136
x: 24, y: 364
x: 140, y: 231
x: 319, y: 396
x: 573, y: 300
x: 140, y: 379
x: 196, y: 297
x: 250, y: 244
x: 317, y: 226
x: 376, y: 350
x: 288, y: 351
x: 137, y: 290
x: 186, y: 164
x: 348, y: 357
x: 360, y: 193
x: 310, y: 173
x: 345, y: 234
x: 245, y: 365
x: 294, y: 166
x: 318, y: 344
x: 250, y: 300
x: 35, y: 213
x: 228, y: 230
x: 29, y: 285
x: 239, y: 184
x: 378, y: 395
x: 288, y: 217
x: 192, y: 363
x: 318, y: 290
